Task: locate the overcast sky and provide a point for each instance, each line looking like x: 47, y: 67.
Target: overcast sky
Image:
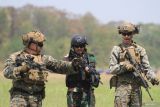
x: 145, y: 11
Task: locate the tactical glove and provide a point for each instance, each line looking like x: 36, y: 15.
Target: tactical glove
x: 155, y: 81
x: 19, y: 69
x: 127, y: 65
x: 77, y: 63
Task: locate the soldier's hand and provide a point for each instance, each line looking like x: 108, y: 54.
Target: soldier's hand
x: 22, y: 68
x: 18, y: 70
x: 127, y: 65
x: 76, y: 62
x: 155, y: 81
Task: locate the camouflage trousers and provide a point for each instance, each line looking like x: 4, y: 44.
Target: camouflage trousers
x: 25, y: 100
x: 81, y: 99
x: 128, y: 95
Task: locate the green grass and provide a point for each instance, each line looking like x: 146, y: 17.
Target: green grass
x: 56, y: 94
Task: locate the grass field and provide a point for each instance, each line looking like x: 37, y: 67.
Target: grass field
x: 56, y: 93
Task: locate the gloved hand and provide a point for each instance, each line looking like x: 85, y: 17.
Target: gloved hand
x: 127, y: 65
x: 76, y: 62
x: 155, y: 81
x: 19, y: 69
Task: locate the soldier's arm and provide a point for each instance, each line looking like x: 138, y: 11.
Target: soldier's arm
x: 58, y: 66
x: 114, y: 66
x: 146, y: 66
x: 8, y: 70
x: 11, y: 70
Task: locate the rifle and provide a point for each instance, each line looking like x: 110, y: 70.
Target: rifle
x: 79, y: 65
x: 137, y: 72
x: 93, y: 75
x: 30, y: 62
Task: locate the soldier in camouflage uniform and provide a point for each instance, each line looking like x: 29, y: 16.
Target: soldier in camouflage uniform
x: 80, y: 86
x: 128, y: 88
x: 28, y: 88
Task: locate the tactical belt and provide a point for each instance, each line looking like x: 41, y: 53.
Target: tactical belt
x: 31, y: 82
x: 27, y: 92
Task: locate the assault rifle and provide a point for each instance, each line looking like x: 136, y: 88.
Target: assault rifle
x: 137, y: 72
x: 28, y: 60
x: 78, y: 64
x: 79, y: 67
x: 92, y: 76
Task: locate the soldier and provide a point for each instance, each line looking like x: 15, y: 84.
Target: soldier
x: 122, y: 66
x: 80, y: 86
x: 29, y: 69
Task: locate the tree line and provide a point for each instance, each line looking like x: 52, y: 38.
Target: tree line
x: 59, y: 26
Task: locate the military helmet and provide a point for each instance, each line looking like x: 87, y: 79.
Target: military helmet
x: 127, y: 27
x: 33, y: 36
x: 78, y: 40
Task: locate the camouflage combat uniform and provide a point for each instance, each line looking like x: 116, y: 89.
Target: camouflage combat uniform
x: 80, y: 88
x: 80, y: 92
x: 28, y: 89
x: 128, y: 91
x: 128, y: 88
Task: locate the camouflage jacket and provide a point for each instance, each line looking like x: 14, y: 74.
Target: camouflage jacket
x: 55, y: 66
x: 78, y: 79
x: 115, y: 67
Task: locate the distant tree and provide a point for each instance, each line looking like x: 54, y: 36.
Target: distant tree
x: 59, y: 26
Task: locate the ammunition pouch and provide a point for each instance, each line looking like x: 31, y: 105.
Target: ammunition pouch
x: 37, y: 75
x: 113, y: 81
x: 126, y: 78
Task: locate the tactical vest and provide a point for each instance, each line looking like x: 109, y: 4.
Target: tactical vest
x: 128, y: 76
x: 74, y: 80
x: 134, y: 53
x: 34, y: 76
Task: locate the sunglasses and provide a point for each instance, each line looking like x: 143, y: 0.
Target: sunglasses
x: 128, y: 34
x: 40, y: 44
x: 79, y: 46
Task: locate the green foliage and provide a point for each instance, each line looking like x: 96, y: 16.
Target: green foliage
x: 5, y: 84
x: 59, y: 26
